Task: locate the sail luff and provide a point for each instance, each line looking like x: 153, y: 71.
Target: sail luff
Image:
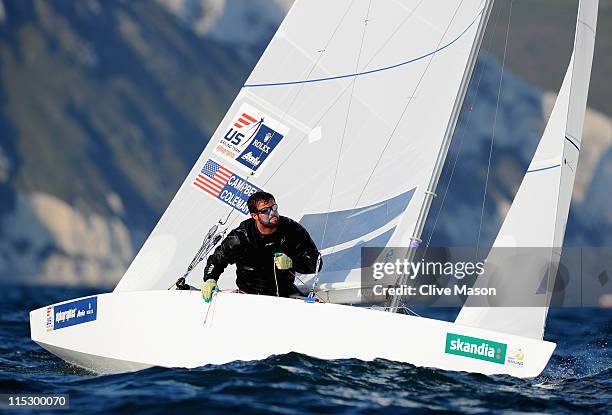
x: 450, y: 130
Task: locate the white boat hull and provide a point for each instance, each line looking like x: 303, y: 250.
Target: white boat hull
x: 130, y: 331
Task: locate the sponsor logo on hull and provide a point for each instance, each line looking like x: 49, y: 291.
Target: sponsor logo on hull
x: 475, y: 348
x: 72, y: 313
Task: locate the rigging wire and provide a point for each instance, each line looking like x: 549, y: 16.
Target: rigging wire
x: 499, y: 91
x: 410, y: 99
x: 348, y: 113
x: 462, y: 139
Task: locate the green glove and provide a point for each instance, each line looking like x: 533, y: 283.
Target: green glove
x: 282, y: 261
x: 208, y: 288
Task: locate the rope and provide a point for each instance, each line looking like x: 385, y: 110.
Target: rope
x: 211, y: 305
x: 501, y: 78
x: 275, y: 279
x: 296, y: 277
x: 214, y: 297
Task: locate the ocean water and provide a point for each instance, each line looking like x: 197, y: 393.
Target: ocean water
x: 577, y: 379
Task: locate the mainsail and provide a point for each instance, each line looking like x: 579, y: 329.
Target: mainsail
x: 345, y: 119
x: 538, y: 215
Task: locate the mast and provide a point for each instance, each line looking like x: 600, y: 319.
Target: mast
x: 448, y: 135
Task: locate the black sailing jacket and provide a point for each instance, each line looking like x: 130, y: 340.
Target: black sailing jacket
x: 253, y: 254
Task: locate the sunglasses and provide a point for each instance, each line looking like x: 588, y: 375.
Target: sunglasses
x: 268, y: 209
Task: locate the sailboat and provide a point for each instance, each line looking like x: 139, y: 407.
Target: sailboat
x: 347, y: 119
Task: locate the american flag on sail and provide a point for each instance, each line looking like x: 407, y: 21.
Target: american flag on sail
x: 212, y: 178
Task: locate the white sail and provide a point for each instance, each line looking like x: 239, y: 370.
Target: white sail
x: 538, y: 215
x: 343, y: 119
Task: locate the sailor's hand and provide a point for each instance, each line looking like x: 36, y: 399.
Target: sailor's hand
x: 282, y: 261
x: 208, y: 288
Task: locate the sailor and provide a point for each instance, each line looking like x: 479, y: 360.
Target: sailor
x: 267, y: 249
